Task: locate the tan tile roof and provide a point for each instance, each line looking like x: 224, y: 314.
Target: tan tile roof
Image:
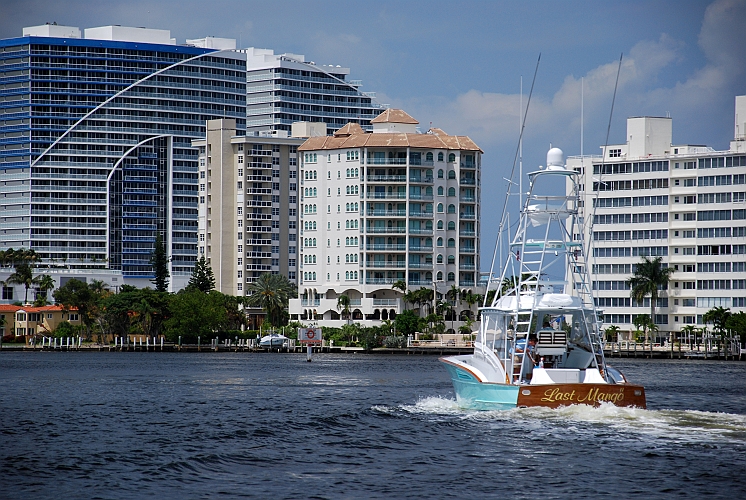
x: 349, y: 129
x: 8, y: 308
x: 352, y: 136
x: 51, y: 308
x: 394, y: 116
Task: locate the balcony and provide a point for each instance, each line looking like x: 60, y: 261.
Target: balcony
x: 421, y: 180
x: 260, y: 152
x: 312, y: 302
x: 387, y: 161
x: 259, y: 255
x: 467, y: 267
x: 468, y: 165
x: 466, y: 250
x: 420, y: 265
x: 385, y: 264
x: 386, y: 230
x: 468, y: 215
x: 467, y: 233
x: 467, y: 199
x: 420, y: 282
x: 426, y: 197
x: 386, y: 302
x: 387, y: 178
x: 424, y: 215
x: 251, y: 216
x: 466, y: 283
x: 356, y: 302
x: 413, y: 248
x: 469, y: 181
x: 383, y: 247
x: 386, y: 213
x: 386, y: 196
x: 420, y: 231
x: 381, y: 281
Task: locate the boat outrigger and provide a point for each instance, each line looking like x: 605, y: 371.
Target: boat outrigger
x: 539, y: 341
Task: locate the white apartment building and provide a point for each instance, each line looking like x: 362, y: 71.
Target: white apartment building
x: 248, y: 205
x: 285, y: 88
x: 382, y: 206
x: 685, y: 203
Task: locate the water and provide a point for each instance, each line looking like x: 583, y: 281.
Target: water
x: 171, y: 425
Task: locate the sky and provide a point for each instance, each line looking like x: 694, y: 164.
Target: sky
x: 459, y: 65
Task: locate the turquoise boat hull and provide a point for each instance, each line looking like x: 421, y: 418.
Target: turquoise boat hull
x: 472, y: 393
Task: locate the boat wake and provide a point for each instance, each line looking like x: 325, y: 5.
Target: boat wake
x: 682, y: 426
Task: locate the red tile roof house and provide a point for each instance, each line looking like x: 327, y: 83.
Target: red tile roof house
x: 30, y: 321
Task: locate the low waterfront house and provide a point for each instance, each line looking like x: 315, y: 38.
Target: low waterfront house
x: 41, y: 321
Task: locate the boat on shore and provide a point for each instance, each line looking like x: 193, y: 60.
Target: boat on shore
x: 539, y: 342
x: 273, y: 340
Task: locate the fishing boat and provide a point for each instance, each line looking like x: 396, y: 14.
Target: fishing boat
x: 273, y: 340
x: 539, y: 341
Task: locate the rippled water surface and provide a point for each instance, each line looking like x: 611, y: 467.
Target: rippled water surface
x: 125, y: 425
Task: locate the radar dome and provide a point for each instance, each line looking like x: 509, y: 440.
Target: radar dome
x: 555, y: 159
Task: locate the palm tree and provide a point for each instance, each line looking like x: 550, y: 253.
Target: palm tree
x: 612, y: 332
x: 271, y: 292
x: 343, y: 305
x: 689, y: 330
x: 400, y: 285
x: 23, y: 275
x: 718, y: 316
x: 649, y: 277
x: 46, y: 283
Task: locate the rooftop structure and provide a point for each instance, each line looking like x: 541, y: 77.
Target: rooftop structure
x: 285, y: 88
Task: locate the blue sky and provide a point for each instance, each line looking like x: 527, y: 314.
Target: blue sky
x: 459, y: 64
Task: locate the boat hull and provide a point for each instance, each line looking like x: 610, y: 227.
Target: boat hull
x: 474, y: 393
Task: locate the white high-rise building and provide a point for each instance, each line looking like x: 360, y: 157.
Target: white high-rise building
x: 285, y: 88
x: 684, y: 203
x: 384, y: 206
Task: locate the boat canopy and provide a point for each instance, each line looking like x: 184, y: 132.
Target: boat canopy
x: 546, y: 301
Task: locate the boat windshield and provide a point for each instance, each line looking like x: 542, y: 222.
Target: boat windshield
x: 493, y: 332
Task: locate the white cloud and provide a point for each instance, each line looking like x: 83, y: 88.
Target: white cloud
x: 492, y: 118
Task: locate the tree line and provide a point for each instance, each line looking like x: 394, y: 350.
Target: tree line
x: 198, y: 310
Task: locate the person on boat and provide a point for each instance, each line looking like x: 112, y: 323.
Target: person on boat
x: 520, y: 346
x: 530, y: 359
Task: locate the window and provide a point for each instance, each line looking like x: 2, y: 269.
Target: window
x: 440, y: 158
x: 451, y: 276
x: 439, y: 276
x: 451, y: 226
x: 429, y: 157
x: 440, y: 208
x: 440, y: 242
x: 440, y: 190
x: 451, y: 208
x: 439, y: 260
x: 440, y: 224
x: 451, y: 191
x: 451, y: 174
x: 440, y: 171
x: 240, y: 159
x: 451, y: 259
x: 451, y: 158
x: 451, y: 243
